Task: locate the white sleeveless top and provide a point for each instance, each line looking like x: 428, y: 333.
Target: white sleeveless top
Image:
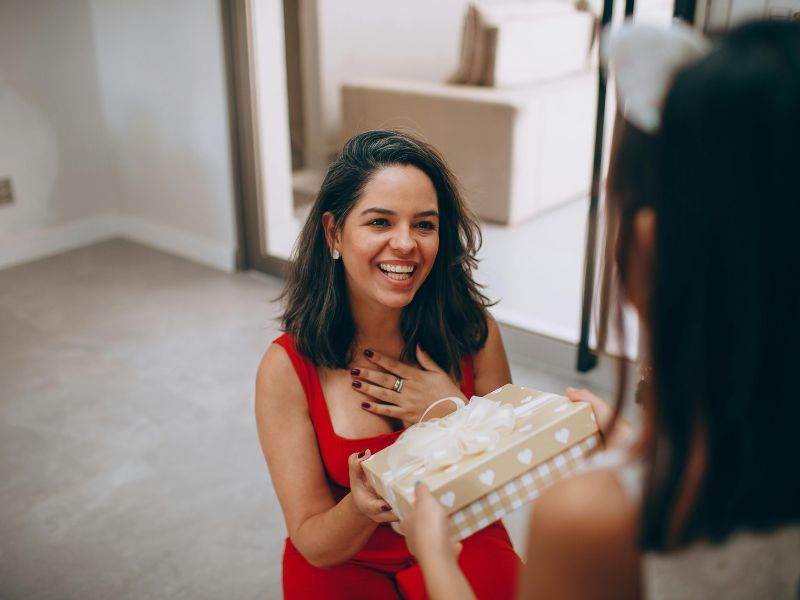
x: 746, y: 566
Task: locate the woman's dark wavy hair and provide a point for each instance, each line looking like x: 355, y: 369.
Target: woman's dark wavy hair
x: 724, y: 307
x: 447, y: 316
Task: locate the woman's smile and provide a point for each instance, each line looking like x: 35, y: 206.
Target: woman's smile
x: 398, y: 273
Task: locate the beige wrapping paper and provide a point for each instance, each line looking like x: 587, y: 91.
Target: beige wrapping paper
x: 550, y: 438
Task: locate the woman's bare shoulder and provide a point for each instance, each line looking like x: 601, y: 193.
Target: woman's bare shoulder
x: 277, y: 383
x: 491, y: 363
x: 584, y: 540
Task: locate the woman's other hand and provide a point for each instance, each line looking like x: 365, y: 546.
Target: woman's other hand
x: 365, y: 498
x: 420, y: 388
x: 622, y: 432
x: 427, y: 529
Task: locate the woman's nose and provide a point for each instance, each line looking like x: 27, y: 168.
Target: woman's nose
x: 402, y: 241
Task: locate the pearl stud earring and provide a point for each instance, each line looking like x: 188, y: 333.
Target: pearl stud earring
x: 335, y: 254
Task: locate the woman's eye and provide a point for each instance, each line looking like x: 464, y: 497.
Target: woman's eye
x: 426, y: 225
x: 379, y: 222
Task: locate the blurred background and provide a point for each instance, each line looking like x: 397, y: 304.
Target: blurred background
x: 156, y: 162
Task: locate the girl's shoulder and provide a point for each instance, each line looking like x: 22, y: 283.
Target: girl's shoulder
x: 592, y: 503
x: 587, y: 524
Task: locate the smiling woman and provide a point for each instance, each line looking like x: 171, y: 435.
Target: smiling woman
x: 387, y: 196
x: 382, y: 318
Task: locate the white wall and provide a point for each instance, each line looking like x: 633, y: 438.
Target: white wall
x: 53, y: 142
x: 113, y: 121
x: 162, y: 81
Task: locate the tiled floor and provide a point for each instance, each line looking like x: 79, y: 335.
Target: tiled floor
x: 129, y: 461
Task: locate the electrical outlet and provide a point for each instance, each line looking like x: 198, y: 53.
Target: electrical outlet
x: 6, y: 193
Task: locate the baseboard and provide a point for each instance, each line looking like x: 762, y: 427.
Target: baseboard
x: 32, y: 245
x: 174, y: 241
x: 41, y: 243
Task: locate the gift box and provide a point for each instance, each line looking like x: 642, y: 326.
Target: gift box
x: 487, y: 458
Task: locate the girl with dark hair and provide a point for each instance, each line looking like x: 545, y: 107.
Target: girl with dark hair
x: 706, y: 502
x: 382, y: 318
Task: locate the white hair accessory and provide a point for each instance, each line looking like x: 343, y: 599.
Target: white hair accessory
x: 644, y: 60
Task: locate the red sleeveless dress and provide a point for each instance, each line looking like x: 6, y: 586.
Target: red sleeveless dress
x: 384, y: 568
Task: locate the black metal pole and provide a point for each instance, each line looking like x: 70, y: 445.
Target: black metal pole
x: 587, y: 359
x: 629, y: 6
x: 685, y: 9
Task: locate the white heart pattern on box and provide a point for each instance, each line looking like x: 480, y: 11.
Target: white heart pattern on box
x: 562, y: 435
x: 561, y: 408
x: 526, y: 399
x: 448, y: 499
x: 487, y: 477
x: 525, y: 456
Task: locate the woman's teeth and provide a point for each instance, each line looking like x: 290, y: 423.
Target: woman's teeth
x: 397, y: 272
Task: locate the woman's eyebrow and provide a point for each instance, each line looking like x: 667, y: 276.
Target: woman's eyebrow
x: 386, y: 211
x: 380, y: 211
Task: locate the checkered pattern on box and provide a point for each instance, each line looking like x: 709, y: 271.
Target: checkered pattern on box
x: 519, y: 491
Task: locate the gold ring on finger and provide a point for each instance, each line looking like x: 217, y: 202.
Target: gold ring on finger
x: 398, y: 384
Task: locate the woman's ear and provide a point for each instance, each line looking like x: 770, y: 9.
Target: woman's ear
x: 329, y: 226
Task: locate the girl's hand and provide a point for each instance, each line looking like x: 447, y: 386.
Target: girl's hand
x: 364, y: 497
x: 420, y: 388
x: 427, y: 530
x: 622, y: 433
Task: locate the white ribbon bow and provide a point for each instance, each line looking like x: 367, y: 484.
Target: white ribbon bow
x: 437, y: 443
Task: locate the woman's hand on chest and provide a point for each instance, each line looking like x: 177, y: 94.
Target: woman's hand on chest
x: 396, y: 390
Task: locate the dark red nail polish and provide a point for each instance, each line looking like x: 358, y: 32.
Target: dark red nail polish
x: 386, y: 508
x: 365, y: 405
x: 369, y: 353
x: 356, y: 383
x: 362, y: 454
x: 355, y: 372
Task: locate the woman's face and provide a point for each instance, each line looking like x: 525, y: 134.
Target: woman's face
x: 390, y: 238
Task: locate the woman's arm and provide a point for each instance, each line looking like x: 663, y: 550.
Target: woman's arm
x: 427, y: 532
x: 325, y: 532
x: 491, y: 363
